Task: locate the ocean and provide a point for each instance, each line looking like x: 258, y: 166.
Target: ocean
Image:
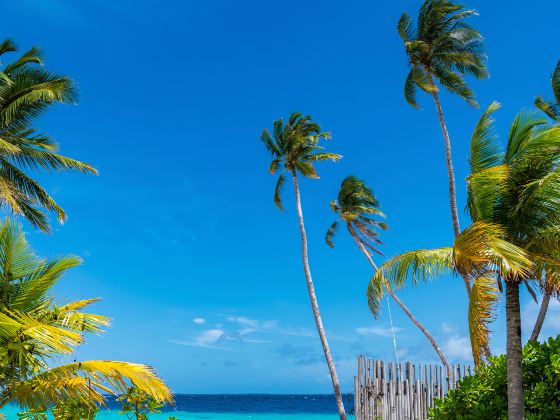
x: 236, y: 407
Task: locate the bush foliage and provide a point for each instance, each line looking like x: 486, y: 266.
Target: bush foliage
x: 484, y: 395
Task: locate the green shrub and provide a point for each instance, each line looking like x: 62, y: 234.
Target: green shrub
x: 484, y: 395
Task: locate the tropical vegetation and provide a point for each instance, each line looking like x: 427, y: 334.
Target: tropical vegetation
x: 36, y: 330
x: 513, y: 201
x: 484, y: 395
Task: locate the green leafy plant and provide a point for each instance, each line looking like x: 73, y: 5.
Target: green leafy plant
x: 73, y: 409
x: 484, y: 395
x: 137, y: 404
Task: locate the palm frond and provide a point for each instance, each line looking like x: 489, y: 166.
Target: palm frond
x: 7, y: 46
x: 482, y: 305
x: 88, y: 382
x: 550, y: 108
x: 410, y: 89
x: 556, y: 82
x: 421, y: 265
x: 483, y: 246
x: 278, y: 191
x: 329, y: 236
x: 486, y: 189
x: 485, y: 152
x: 405, y: 28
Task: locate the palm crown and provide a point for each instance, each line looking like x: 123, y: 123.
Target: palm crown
x: 36, y: 330
x: 295, y: 148
x: 26, y: 91
x: 442, y: 46
x: 357, y: 206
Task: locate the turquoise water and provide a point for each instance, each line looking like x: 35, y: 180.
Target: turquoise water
x: 182, y: 415
x: 234, y: 407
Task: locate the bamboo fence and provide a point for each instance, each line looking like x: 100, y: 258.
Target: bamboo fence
x: 397, y: 391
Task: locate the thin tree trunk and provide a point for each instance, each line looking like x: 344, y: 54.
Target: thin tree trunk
x: 450, y: 176
x: 403, y: 306
x: 315, y: 304
x: 516, y: 402
x: 540, y: 317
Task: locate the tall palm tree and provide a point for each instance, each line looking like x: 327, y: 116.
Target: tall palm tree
x: 552, y: 109
x: 295, y: 148
x: 357, y: 207
x: 441, y: 50
x: 27, y: 90
x: 514, y: 200
x: 35, y: 331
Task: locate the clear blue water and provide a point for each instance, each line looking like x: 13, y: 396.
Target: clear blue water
x: 237, y: 407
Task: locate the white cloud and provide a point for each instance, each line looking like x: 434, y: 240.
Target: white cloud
x: 378, y: 331
x: 199, y: 321
x: 209, y: 337
x: 243, y: 320
x: 447, y: 328
x: 458, y: 348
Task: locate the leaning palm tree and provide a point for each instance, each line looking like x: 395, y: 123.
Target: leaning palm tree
x: 513, y: 199
x: 35, y: 331
x: 27, y: 90
x: 442, y: 49
x: 295, y: 148
x: 357, y: 208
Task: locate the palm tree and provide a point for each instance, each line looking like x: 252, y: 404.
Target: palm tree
x: 295, y: 148
x: 513, y: 199
x: 552, y: 109
x: 357, y: 207
x: 27, y: 90
x: 442, y: 49
x: 36, y: 331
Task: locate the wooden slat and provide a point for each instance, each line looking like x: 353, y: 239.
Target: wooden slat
x: 401, y: 390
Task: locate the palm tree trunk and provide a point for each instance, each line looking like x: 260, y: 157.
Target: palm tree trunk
x: 403, y: 306
x: 540, y: 317
x: 450, y: 176
x: 516, y: 402
x: 315, y: 304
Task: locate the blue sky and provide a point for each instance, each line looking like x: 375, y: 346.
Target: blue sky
x: 179, y: 233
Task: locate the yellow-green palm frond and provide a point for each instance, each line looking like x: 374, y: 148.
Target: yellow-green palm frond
x: 522, y: 131
x: 482, y: 247
x: 31, y: 290
x: 486, y: 188
x: 88, y: 381
x: 485, y: 150
x: 71, y: 317
x: 26, y: 278
x: 482, y: 305
x: 47, y: 339
x: 421, y: 265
